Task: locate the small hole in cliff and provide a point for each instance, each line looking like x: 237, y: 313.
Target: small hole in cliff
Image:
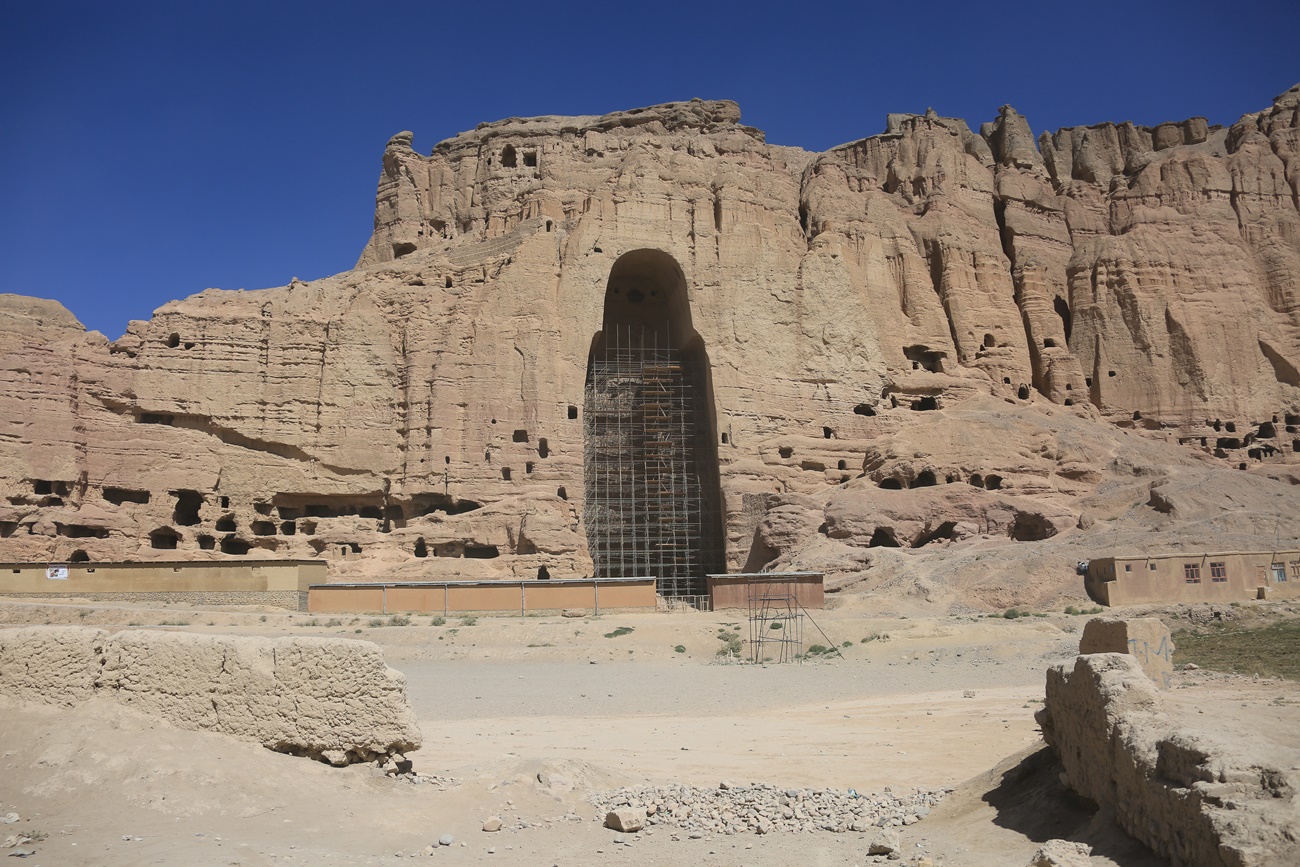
x: 883, y: 538
x: 1023, y: 392
x: 234, y: 545
x: 1087, y: 380
x: 528, y: 466
x: 481, y: 552
x: 226, y: 524
x: 785, y: 452
x: 843, y: 465
x: 263, y: 528
x: 597, y: 250
x: 79, y: 556
x: 993, y: 483
x: 505, y: 473
x: 573, y: 412
x: 508, y: 157
x: 924, y: 479
x: 164, y: 538
x: 1137, y: 416
x: 977, y: 480
x: 520, y: 436
x: 1069, y: 402
x: 207, y: 543
x: 288, y: 528
x: 549, y: 225
x: 1049, y: 343
x: 447, y: 282
x: 530, y: 159
x: 1231, y: 427
x: 446, y: 459
x: 989, y: 342
x: 402, y: 248
x: 827, y: 433
x: 543, y: 448
x: 562, y: 493
x: 925, y: 404
x: 890, y: 485
x: 543, y: 574
x: 724, y: 439
x: 1110, y: 373
x: 863, y: 409
x: 421, y: 550
x: 173, y: 340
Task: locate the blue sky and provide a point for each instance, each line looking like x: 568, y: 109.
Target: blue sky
x: 151, y: 150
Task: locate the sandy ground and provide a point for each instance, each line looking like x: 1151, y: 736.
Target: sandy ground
x: 503, y: 701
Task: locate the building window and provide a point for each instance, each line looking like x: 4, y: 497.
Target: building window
x: 1279, y: 573
x: 1192, y: 573
x: 1128, y: 567
x: 1152, y: 566
x: 1218, y: 572
x: 1295, y: 568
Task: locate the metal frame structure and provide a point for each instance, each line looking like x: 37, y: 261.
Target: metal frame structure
x: 644, y: 503
x: 775, y: 621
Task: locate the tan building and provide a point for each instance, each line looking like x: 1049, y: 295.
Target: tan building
x: 1228, y: 576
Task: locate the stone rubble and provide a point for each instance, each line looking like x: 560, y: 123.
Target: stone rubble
x: 763, y: 808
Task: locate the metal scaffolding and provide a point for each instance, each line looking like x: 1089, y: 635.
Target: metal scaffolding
x: 775, y: 621
x: 644, y: 504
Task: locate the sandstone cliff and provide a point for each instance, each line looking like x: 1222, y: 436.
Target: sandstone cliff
x: 1007, y: 332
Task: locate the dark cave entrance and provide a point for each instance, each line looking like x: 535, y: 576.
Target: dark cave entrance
x: 653, y: 502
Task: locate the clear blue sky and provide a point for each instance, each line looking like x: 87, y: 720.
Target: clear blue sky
x: 150, y: 150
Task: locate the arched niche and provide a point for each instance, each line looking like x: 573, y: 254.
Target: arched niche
x: 652, y: 499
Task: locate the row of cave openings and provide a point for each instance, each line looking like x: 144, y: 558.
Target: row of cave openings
x: 1252, y: 441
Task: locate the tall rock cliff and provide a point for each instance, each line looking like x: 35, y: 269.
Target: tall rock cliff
x: 867, y: 315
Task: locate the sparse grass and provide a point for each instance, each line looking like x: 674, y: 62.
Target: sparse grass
x: 847, y: 644
x: 1013, y: 613
x: 375, y: 623
x: 681, y: 648
x: 776, y: 624
x: 312, y: 622
x: 83, y: 613
x: 620, y: 632
x: 468, y: 621
x: 212, y: 623
x: 333, y: 621
x: 399, y: 620
x: 730, y: 643
x: 817, y: 650
x: 1269, y: 651
x: 438, y: 621
x: 356, y: 631
x: 875, y: 636
x: 173, y: 623
x: 262, y: 618
x: 548, y: 644
x: 135, y: 623
x: 1070, y: 609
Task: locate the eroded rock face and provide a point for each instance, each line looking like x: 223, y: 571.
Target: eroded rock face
x: 423, y: 415
x: 1194, y: 798
x: 319, y: 697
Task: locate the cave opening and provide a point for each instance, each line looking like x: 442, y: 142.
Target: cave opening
x: 652, y: 497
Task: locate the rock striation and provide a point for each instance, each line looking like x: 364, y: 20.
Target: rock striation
x: 928, y: 336
x: 326, y: 698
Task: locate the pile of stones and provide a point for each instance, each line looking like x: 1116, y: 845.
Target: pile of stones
x: 761, y: 808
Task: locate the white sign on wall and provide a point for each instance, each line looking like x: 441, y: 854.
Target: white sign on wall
x: 56, y: 573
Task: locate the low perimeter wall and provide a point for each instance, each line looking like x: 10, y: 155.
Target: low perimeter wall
x: 282, y: 583
x: 455, y: 597
x: 327, y: 698
x: 736, y: 590
x: 1194, y: 800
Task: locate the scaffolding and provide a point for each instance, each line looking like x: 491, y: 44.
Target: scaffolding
x: 644, y: 504
x: 775, y: 621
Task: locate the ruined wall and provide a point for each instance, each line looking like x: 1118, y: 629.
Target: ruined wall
x: 321, y: 697
x: 420, y: 416
x: 1190, y: 797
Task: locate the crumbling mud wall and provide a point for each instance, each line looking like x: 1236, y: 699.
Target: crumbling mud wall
x: 1192, y: 799
x: 329, y: 699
